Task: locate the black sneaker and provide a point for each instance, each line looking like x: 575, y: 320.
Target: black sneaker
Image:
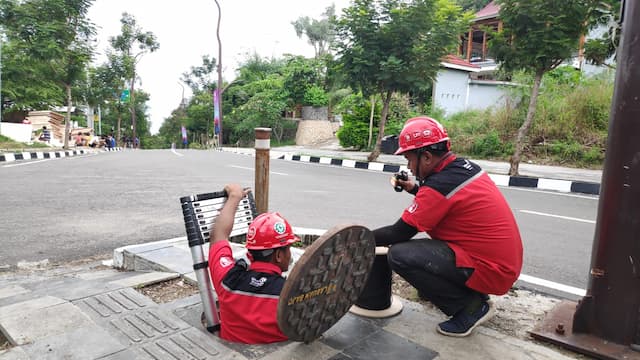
x: 463, y: 323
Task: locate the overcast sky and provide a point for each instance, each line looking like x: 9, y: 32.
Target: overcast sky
x: 186, y: 30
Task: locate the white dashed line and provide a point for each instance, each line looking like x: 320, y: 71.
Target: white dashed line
x: 558, y: 216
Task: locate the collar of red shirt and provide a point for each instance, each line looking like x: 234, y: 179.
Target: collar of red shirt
x: 448, y: 158
x: 265, y: 267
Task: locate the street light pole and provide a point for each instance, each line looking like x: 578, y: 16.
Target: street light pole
x: 219, y: 86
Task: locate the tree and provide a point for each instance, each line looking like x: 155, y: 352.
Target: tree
x: 473, y: 5
x: 199, y: 77
x: 538, y: 36
x: 598, y: 50
x: 388, y: 46
x: 319, y: 32
x: 53, y: 39
x: 131, y: 44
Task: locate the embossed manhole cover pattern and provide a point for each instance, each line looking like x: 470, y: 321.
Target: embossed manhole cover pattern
x: 325, y: 282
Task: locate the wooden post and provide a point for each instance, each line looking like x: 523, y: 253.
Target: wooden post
x: 469, y: 45
x: 262, y: 146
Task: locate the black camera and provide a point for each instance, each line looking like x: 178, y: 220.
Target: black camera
x: 402, y: 175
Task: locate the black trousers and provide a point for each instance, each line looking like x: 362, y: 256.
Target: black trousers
x: 429, y: 266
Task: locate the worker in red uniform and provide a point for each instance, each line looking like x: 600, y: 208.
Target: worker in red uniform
x: 474, y: 246
x: 248, y: 294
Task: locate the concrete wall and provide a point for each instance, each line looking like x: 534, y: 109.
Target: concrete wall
x: 314, y: 131
x: 484, y: 95
x: 450, y: 90
x: 16, y: 132
x: 314, y: 113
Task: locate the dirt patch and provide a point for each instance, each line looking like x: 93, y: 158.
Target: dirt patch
x: 517, y: 312
x: 168, y: 291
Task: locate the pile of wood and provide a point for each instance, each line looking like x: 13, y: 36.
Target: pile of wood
x: 51, y: 119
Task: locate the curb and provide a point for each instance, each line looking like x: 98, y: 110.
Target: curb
x: 565, y: 186
x: 9, y: 157
x: 37, y: 155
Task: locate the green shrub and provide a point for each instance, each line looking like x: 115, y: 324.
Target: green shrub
x: 316, y: 96
x: 354, y: 134
x: 488, y: 145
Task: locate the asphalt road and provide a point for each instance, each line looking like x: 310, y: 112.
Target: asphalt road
x: 73, y: 208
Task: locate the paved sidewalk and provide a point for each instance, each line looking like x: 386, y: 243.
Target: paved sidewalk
x: 93, y: 312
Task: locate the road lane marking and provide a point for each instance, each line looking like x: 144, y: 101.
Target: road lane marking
x: 552, y: 285
x: 175, y: 152
x: 558, y: 216
x: 249, y: 168
x: 514, y: 188
x: 26, y: 163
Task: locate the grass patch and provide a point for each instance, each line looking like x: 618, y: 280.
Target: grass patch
x: 8, y: 144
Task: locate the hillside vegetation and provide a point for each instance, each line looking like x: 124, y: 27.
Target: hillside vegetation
x: 570, y: 127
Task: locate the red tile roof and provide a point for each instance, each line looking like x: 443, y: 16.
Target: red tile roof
x: 491, y: 10
x: 454, y: 60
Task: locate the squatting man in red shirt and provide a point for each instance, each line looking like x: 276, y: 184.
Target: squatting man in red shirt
x: 474, y: 247
x: 248, y: 294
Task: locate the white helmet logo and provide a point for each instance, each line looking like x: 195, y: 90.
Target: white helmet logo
x: 426, y: 132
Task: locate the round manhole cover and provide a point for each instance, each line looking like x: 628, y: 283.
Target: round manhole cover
x: 325, y: 282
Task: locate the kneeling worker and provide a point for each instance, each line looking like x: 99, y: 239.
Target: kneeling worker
x: 248, y: 294
x: 474, y: 247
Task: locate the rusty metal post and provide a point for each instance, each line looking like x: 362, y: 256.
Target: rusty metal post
x: 263, y: 146
x: 606, y: 322
x: 611, y: 308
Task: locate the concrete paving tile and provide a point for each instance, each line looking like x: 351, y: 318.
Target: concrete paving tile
x: 253, y: 351
x: 190, y: 311
x: 140, y: 280
x: 28, y: 326
x: 15, y: 353
x: 168, y: 259
x: 188, y: 344
x: 145, y: 325
x: 29, y: 306
x: 87, y: 342
x: 349, y: 330
x: 418, y: 325
x: 112, y: 304
x: 101, y: 274
x: 71, y: 288
x: 386, y: 345
x: 12, y: 290
x: 300, y: 351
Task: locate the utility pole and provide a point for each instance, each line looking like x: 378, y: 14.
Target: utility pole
x: 606, y: 322
x: 219, y: 86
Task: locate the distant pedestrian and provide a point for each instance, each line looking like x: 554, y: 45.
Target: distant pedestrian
x: 46, y: 135
x: 136, y: 142
x: 113, y: 142
x: 185, y: 141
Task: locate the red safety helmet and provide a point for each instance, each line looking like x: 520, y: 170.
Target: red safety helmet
x: 269, y: 231
x: 420, y: 132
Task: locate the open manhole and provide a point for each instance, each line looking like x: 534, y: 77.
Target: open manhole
x: 168, y: 291
x: 4, y: 343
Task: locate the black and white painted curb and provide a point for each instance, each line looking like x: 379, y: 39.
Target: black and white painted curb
x: 38, y: 155
x: 35, y: 155
x: 565, y: 186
